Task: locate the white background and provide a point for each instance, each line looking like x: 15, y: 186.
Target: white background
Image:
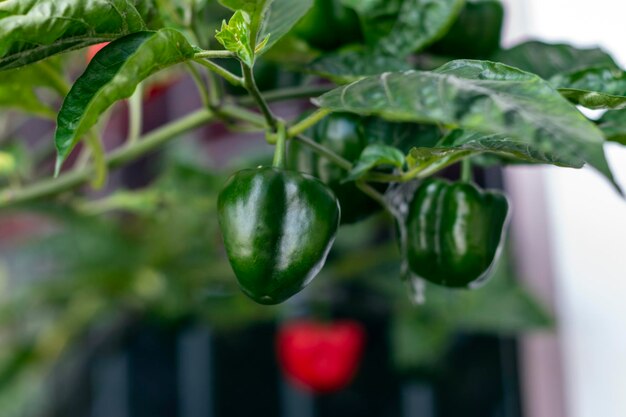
x: 586, y: 222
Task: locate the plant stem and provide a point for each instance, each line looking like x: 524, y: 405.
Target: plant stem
x: 325, y: 152
x: 281, y: 145
x: 99, y: 159
x: 307, y: 122
x: 135, y: 114
x: 116, y: 158
x: 213, y: 55
x: 466, y: 170
x: 250, y: 84
x: 200, y: 85
x: 283, y: 94
x: 242, y: 114
x: 215, y: 92
x: 222, y: 72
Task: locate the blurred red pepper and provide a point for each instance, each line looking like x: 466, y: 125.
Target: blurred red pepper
x: 320, y: 357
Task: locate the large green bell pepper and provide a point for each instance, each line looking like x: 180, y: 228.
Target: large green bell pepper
x: 278, y: 227
x: 454, y: 232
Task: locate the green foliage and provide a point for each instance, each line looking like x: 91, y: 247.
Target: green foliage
x: 235, y: 37
x: 270, y: 19
x: 113, y: 75
x: 156, y: 252
x: 373, y: 156
x: 18, y: 88
x: 548, y: 60
x: 400, y: 27
x: 613, y: 125
x: 483, y: 96
x: 348, y: 65
x: 32, y: 30
x: 594, y: 88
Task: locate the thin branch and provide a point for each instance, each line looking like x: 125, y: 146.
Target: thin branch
x: 307, y: 122
x: 214, y: 55
x: 222, y: 72
x: 200, y: 85
x: 121, y: 156
x: 325, y: 152
x: 135, y: 114
x: 250, y: 84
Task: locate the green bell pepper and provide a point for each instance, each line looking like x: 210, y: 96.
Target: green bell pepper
x: 454, y: 232
x: 278, y: 227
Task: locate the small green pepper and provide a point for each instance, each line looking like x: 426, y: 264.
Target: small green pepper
x: 454, y: 232
x: 278, y: 227
x: 342, y: 133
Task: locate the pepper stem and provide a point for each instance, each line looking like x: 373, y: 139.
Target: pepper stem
x: 281, y: 144
x: 466, y: 170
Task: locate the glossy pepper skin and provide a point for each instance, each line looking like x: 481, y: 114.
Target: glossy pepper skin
x: 278, y: 227
x: 343, y: 134
x: 454, y: 232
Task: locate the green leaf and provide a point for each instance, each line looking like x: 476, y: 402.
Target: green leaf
x: 481, y: 96
x: 476, y: 32
x: 349, y: 65
x: 235, y: 37
x: 374, y: 156
x: 270, y: 20
x: 506, y: 147
x: 432, y: 159
x: 31, y: 30
x: 594, y: 88
x: 547, y: 60
x: 18, y: 88
x: 613, y: 125
x: 401, y: 27
x: 113, y: 75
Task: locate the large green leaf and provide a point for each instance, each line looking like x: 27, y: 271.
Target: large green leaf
x: 401, y: 27
x: 270, y: 17
x: 594, y: 88
x: 475, y: 33
x: 31, y: 30
x: 352, y: 64
x: 613, y: 125
x: 547, y: 60
x: 18, y: 88
x: 481, y: 96
x: 113, y: 75
x: 506, y: 147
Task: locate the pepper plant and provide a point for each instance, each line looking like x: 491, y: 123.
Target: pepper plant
x: 400, y: 91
